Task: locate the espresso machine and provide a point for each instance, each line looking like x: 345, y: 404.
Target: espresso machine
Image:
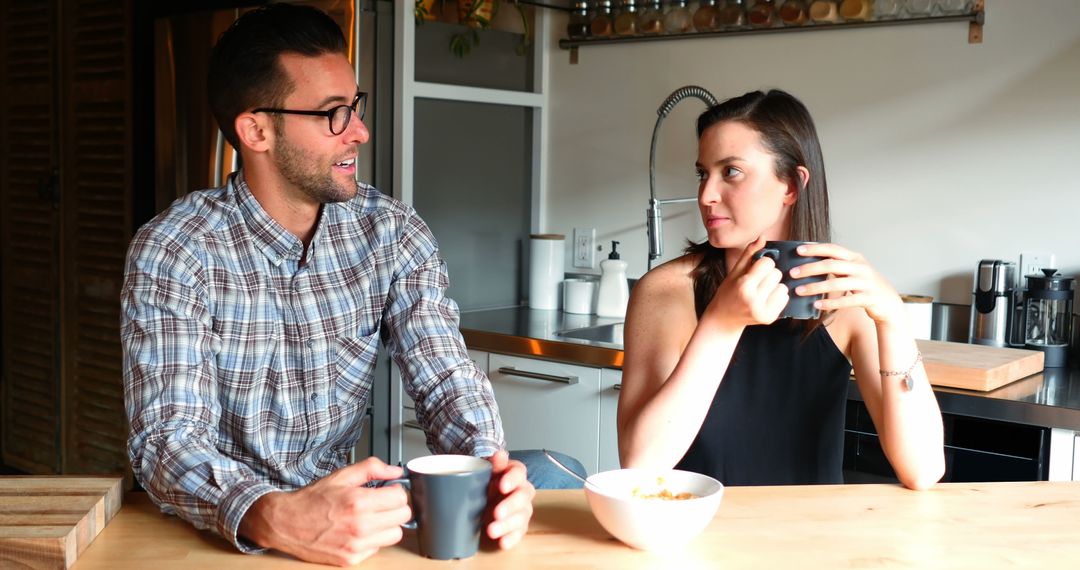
x: 1047, y: 314
x: 993, y: 303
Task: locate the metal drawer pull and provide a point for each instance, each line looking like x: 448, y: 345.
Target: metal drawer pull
x: 412, y: 424
x: 511, y: 371
x: 617, y: 387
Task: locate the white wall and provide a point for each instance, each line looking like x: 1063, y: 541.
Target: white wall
x: 938, y: 152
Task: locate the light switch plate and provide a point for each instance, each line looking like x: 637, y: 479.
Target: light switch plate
x: 585, y: 247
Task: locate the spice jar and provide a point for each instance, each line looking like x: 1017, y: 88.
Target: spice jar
x: 651, y: 20
x: 578, y: 26
x: 918, y: 8
x: 887, y: 9
x: 626, y: 23
x: 677, y: 18
x: 793, y: 13
x: 602, y: 25
x: 823, y: 12
x: 855, y: 10
x: 732, y: 15
x: 762, y: 14
x: 705, y: 18
x: 951, y: 7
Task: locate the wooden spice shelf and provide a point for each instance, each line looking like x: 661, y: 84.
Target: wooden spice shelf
x: 975, y: 20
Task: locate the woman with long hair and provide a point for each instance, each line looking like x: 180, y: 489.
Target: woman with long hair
x: 714, y: 381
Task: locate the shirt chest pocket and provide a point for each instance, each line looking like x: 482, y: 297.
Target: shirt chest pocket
x: 354, y: 366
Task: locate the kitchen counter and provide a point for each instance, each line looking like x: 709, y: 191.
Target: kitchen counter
x: 952, y: 525
x: 1050, y: 399
x: 532, y: 332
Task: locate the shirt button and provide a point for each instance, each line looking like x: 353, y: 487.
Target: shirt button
x: 310, y: 343
x: 314, y: 397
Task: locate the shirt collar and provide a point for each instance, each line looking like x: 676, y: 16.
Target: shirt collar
x: 276, y: 242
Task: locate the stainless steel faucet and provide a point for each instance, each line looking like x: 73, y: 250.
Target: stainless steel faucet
x: 653, y: 215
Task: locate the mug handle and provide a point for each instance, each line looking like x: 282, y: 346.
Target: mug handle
x: 770, y: 252
x: 378, y: 483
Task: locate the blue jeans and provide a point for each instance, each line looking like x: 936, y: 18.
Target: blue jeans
x: 543, y: 474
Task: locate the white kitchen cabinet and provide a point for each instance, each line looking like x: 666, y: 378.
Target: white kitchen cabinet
x: 1076, y: 457
x: 480, y: 358
x: 543, y: 404
x: 610, y: 384
x: 549, y: 405
x: 1064, y: 455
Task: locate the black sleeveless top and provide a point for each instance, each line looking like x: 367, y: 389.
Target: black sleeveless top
x: 778, y: 416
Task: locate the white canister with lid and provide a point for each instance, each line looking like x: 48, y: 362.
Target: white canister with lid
x: 579, y: 296
x: 920, y: 311
x: 546, y: 271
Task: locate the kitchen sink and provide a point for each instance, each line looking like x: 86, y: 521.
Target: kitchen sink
x: 610, y: 334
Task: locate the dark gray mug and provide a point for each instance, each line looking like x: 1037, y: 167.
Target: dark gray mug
x: 784, y: 255
x: 449, y: 495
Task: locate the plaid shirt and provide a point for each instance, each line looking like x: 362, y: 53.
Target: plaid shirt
x: 246, y: 372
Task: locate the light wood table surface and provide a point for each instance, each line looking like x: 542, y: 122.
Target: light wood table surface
x: 956, y: 525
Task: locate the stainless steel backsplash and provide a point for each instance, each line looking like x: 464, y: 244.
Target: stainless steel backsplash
x: 950, y: 322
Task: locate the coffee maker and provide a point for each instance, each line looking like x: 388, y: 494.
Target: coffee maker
x: 993, y: 303
x: 1047, y: 316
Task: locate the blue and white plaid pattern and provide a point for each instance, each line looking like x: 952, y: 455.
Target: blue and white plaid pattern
x: 246, y: 372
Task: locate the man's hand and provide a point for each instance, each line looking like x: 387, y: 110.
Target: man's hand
x: 335, y: 520
x: 511, y: 494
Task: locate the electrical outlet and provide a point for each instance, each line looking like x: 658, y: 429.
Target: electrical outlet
x: 1033, y: 262
x: 584, y: 249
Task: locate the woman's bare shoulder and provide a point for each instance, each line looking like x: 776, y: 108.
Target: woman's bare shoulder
x: 848, y: 325
x: 666, y: 288
x: 672, y: 277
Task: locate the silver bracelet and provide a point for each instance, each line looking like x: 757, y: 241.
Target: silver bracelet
x: 907, y: 380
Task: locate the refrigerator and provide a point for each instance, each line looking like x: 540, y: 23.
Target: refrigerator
x: 179, y: 148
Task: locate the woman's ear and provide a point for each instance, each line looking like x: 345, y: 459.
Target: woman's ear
x: 254, y: 131
x: 802, y: 179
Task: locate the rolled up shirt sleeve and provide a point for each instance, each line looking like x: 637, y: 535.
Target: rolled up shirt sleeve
x: 453, y: 397
x: 171, y: 392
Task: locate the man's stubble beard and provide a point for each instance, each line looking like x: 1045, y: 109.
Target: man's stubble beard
x: 303, y: 171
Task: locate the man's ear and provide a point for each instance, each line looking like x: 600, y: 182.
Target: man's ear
x: 794, y: 190
x: 254, y: 131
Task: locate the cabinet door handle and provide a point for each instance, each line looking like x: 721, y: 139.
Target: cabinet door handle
x: 617, y: 387
x: 412, y: 424
x: 511, y: 371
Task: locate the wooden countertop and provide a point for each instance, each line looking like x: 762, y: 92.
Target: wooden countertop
x: 972, y: 525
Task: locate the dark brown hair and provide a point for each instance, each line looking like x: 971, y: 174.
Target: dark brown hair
x: 245, y: 69
x: 787, y: 132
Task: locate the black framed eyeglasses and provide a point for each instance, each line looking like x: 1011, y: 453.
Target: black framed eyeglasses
x: 338, y: 117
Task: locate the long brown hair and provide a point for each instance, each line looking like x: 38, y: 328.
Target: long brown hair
x: 787, y: 132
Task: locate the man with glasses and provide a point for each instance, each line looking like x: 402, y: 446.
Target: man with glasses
x: 252, y: 314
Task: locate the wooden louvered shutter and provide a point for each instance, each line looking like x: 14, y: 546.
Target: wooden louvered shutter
x: 31, y: 236
x: 97, y: 217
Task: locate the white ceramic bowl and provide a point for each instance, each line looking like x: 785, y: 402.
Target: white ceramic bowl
x: 652, y: 523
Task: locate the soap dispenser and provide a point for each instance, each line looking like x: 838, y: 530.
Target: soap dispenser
x: 614, y: 292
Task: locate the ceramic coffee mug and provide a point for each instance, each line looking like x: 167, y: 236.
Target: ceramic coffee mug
x: 449, y: 494
x: 783, y: 253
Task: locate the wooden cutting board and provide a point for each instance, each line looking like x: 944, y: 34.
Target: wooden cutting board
x: 47, y: 522
x: 977, y: 367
